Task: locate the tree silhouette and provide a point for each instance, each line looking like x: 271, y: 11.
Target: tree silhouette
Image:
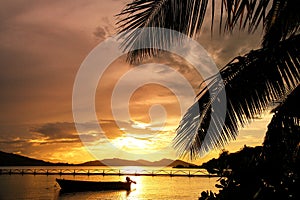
x: 251, y: 81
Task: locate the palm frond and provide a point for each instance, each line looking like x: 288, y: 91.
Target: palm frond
x: 282, y: 21
x: 251, y: 82
x: 281, y: 143
x: 290, y: 106
x: 247, y: 13
x: 184, y: 16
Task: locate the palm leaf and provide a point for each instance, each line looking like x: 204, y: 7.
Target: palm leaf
x: 251, y: 82
x: 290, y: 106
x: 281, y: 144
x: 283, y: 21
x: 184, y: 16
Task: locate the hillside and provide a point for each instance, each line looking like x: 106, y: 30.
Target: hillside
x: 123, y: 162
x: 10, y: 159
x: 92, y: 163
x: 182, y: 164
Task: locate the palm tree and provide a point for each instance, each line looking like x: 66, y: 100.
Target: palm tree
x: 281, y: 148
x: 251, y: 81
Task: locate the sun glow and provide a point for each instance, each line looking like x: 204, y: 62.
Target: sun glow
x: 140, y: 125
x: 133, y: 145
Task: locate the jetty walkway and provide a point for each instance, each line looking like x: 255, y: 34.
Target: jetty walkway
x: 108, y: 172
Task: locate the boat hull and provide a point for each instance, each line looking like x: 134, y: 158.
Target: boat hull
x: 78, y: 185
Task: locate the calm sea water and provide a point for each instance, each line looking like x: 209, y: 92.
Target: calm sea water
x: 42, y: 187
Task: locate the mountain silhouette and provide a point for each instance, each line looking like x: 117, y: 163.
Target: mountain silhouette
x: 11, y: 159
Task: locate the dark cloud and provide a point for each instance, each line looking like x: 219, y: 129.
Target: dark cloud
x: 223, y: 48
x: 66, y: 132
x: 100, y: 32
x: 13, y: 142
x: 56, y: 130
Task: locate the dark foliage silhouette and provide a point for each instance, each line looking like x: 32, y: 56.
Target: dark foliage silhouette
x: 252, y: 82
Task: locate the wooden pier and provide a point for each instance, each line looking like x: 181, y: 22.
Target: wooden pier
x: 108, y: 172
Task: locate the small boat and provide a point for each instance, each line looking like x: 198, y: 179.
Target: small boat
x: 81, y: 185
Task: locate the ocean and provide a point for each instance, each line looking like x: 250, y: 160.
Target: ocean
x: 43, y: 187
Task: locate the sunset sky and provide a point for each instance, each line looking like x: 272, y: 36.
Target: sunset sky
x: 42, y: 46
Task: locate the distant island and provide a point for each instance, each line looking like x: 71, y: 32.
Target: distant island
x: 11, y: 159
